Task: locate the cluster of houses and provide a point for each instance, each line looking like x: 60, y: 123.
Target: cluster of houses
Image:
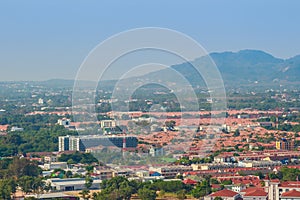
x: 272, y: 190
x: 240, y: 173
x: 238, y: 167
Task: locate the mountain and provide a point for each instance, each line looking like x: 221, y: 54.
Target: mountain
x: 248, y: 66
x: 292, y: 69
x: 243, y: 68
x: 69, y: 84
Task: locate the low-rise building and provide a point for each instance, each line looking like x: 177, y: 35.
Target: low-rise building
x: 156, y: 151
x: 103, y: 173
x: 223, y: 158
x: 285, y: 144
x: 122, y: 172
x: 261, y: 163
x: 171, y: 171
x: 211, y: 166
x: 255, y: 193
x: 224, y: 194
x: 15, y: 128
x: 64, y: 122
x: 142, y: 173
x: 49, y: 159
x: 290, y: 195
x: 53, y: 195
x: 236, y: 187
x: 71, y: 184
x: 55, y: 165
x: 107, y: 123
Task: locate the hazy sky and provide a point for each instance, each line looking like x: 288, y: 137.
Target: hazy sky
x: 41, y: 40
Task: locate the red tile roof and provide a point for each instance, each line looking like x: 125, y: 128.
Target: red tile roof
x: 215, y: 186
x: 275, y: 180
x: 292, y: 193
x: 294, y: 184
x: 3, y: 127
x: 189, y: 182
x: 251, y: 189
x: 224, y: 193
x: 256, y: 193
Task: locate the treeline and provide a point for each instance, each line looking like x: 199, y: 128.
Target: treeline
x: 282, y: 126
x: 20, y: 119
x: 172, y: 105
x: 122, y: 188
x: 286, y: 174
x: 37, y: 138
x: 77, y: 157
x: 20, y: 173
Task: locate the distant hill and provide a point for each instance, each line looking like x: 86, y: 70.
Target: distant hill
x: 64, y: 83
x: 57, y: 83
x: 253, y: 65
x: 246, y: 67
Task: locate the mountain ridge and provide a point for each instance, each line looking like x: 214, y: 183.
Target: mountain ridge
x: 242, y: 68
x: 252, y: 66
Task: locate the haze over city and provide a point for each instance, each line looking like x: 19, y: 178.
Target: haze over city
x: 46, y: 40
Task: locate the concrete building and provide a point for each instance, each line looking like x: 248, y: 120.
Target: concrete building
x: 103, y: 173
x: 271, y: 187
x: 110, y: 127
x: 81, y: 143
x: 49, y: 159
x: 64, y: 122
x: 171, y: 171
x: 266, y: 124
x: 71, y: 184
x: 63, y: 143
x: 41, y: 101
x: 122, y: 172
x: 55, y: 165
x: 70, y: 143
x: 156, y: 151
x: 285, y: 144
x: 54, y: 195
x: 15, y: 128
x: 142, y: 173
x: 287, y: 190
x: 76, y: 144
x: 261, y: 163
x: 211, y: 166
x: 236, y: 188
x: 223, y: 158
x: 243, y: 116
x: 107, y: 123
